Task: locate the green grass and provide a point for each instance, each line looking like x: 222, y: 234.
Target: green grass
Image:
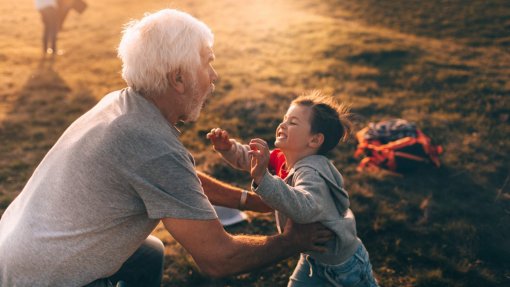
x: 443, y: 64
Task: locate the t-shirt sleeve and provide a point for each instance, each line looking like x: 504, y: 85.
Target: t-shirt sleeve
x: 169, y: 187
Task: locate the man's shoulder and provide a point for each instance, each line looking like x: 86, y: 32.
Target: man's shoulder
x: 145, y: 137
x: 133, y: 110
x: 139, y: 137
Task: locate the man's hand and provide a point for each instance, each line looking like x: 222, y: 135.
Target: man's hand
x: 308, y: 237
x: 219, y: 254
x: 220, y: 139
x: 259, y: 159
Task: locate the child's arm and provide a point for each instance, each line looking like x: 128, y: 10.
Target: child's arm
x: 232, y: 151
x: 303, y: 202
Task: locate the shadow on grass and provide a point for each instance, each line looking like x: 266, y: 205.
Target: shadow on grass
x: 43, y: 108
x: 475, y: 22
x: 437, y: 224
x: 388, y: 62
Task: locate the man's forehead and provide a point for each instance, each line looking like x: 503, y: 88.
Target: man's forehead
x: 208, y: 53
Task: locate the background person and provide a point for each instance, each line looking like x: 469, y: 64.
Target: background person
x: 64, y: 6
x: 49, y: 11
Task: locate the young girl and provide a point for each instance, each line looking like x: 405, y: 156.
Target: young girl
x: 298, y: 181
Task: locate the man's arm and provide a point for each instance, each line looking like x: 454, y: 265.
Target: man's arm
x: 223, y: 194
x: 219, y: 254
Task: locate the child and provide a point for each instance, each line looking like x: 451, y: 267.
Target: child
x: 49, y: 16
x: 306, y: 187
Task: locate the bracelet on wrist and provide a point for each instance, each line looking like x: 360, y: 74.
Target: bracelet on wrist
x: 242, y: 200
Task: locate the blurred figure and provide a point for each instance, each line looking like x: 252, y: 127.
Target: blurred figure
x: 53, y: 13
x: 49, y: 11
x: 64, y: 6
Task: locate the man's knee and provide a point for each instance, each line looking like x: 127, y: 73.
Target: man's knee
x: 155, y: 249
x: 145, y: 266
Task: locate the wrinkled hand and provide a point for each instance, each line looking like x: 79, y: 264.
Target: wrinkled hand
x: 308, y: 237
x: 220, y: 139
x: 259, y: 159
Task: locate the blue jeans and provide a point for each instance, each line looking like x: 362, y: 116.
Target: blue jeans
x: 356, y: 271
x: 143, y: 268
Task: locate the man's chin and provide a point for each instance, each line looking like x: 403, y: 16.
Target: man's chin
x: 193, y: 117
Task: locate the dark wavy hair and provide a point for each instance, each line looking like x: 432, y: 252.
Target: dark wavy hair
x: 328, y: 118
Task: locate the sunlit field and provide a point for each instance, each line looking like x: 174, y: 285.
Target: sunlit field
x: 444, y: 65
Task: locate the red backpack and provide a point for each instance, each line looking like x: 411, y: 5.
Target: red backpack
x: 395, y: 145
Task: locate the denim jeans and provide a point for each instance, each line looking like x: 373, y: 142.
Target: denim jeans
x: 144, y: 268
x: 356, y: 271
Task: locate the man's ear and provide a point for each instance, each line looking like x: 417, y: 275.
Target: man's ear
x: 176, y: 81
x: 316, y: 141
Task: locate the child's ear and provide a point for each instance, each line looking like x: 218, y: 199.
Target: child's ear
x: 316, y: 141
x: 176, y: 81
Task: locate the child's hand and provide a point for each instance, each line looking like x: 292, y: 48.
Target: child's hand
x: 259, y: 160
x: 220, y: 140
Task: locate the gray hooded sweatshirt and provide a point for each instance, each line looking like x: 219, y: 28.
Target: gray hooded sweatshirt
x: 313, y: 191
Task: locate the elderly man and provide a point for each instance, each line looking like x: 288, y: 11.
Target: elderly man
x: 85, y: 215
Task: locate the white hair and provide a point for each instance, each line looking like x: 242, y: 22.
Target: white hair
x: 158, y: 44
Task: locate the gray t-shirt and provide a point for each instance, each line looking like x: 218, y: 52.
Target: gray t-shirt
x: 97, y: 195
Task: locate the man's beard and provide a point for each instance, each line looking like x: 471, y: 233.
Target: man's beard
x: 196, y: 103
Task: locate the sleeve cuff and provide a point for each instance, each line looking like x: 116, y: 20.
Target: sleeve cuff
x: 258, y: 188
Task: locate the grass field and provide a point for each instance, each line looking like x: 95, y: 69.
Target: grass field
x: 442, y: 64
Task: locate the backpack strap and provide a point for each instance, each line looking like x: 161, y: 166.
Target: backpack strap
x: 432, y: 151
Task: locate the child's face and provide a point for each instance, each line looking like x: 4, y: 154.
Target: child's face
x: 294, y: 133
